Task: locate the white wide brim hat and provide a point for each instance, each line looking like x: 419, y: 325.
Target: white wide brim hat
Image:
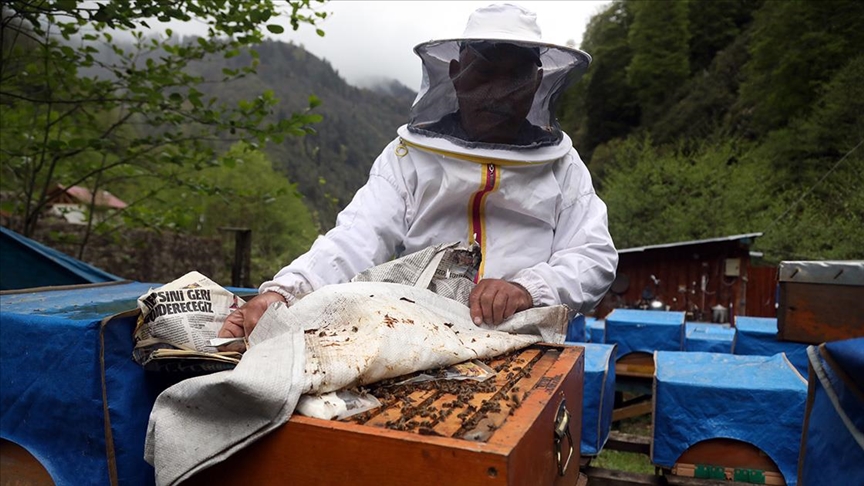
x: 512, y: 24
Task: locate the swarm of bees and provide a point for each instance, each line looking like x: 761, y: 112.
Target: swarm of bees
x: 436, y: 402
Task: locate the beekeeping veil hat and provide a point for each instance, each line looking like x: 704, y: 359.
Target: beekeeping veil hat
x: 495, y: 87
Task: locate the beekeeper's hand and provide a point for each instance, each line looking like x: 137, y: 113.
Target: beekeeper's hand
x: 242, y: 321
x: 494, y: 300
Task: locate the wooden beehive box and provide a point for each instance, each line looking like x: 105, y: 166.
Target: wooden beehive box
x: 820, y: 301
x: 499, y: 432
x: 728, y: 460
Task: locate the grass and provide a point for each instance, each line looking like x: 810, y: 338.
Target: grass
x: 623, y: 461
x: 627, y: 461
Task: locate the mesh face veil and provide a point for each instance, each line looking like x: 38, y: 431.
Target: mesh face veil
x: 497, y: 87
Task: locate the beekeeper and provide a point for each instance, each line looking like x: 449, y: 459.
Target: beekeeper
x: 483, y: 160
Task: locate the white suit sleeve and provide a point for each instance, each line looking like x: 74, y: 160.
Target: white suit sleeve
x: 367, y: 233
x: 583, y: 261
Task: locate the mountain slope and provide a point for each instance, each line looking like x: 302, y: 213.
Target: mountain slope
x: 331, y: 165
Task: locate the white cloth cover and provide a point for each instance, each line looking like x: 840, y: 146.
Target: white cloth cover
x: 203, y: 420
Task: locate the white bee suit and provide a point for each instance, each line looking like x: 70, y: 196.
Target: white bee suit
x: 533, y: 212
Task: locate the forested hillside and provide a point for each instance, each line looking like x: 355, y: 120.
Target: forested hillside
x: 705, y: 118
x: 329, y: 165
x: 331, y: 161
x: 194, y: 135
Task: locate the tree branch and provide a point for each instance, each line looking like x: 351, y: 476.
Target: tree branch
x: 64, y: 102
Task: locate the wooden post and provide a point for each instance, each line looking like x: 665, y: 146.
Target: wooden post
x: 241, y: 267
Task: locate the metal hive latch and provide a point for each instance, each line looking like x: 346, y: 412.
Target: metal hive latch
x: 562, y: 430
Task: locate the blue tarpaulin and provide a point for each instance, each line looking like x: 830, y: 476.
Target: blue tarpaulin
x: 757, y: 336
x: 755, y: 399
x: 832, y: 447
x: 598, y: 398
x: 55, y: 352
x: 28, y: 264
x: 596, y: 330
x: 635, y: 330
x: 708, y: 337
x: 69, y: 391
x: 576, y: 329
x: 589, y: 321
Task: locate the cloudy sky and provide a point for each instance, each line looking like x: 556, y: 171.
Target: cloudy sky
x: 374, y: 39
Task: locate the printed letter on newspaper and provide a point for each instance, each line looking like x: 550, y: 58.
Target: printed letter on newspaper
x: 177, y: 322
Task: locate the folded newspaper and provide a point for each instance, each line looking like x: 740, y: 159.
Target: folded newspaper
x: 177, y: 322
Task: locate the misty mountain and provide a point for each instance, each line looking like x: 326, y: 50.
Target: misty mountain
x: 389, y: 87
x: 331, y: 165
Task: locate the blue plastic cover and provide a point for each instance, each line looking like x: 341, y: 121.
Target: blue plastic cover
x: 644, y: 331
x: 64, y: 364
x: 598, y: 397
x: 757, y: 336
x: 28, y: 264
x: 709, y: 338
x: 755, y: 399
x: 849, y: 356
x: 52, y: 400
x: 832, y: 448
x: 576, y: 329
x: 596, y: 329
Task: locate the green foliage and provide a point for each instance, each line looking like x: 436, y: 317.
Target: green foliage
x: 603, y: 106
x: 704, y: 107
x: 356, y: 123
x: 143, y: 114
x: 244, y: 191
x: 819, y: 159
x: 797, y: 46
x: 662, y: 194
x: 763, y: 134
x: 714, y: 24
x: 658, y: 37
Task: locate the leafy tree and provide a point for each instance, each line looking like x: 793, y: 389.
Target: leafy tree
x: 332, y: 163
x: 797, y: 47
x: 763, y: 134
x: 657, y: 195
x: 818, y: 210
x: 602, y: 105
x: 714, y: 24
x: 659, y: 38
x: 242, y: 192
x: 145, y: 115
x: 703, y: 108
